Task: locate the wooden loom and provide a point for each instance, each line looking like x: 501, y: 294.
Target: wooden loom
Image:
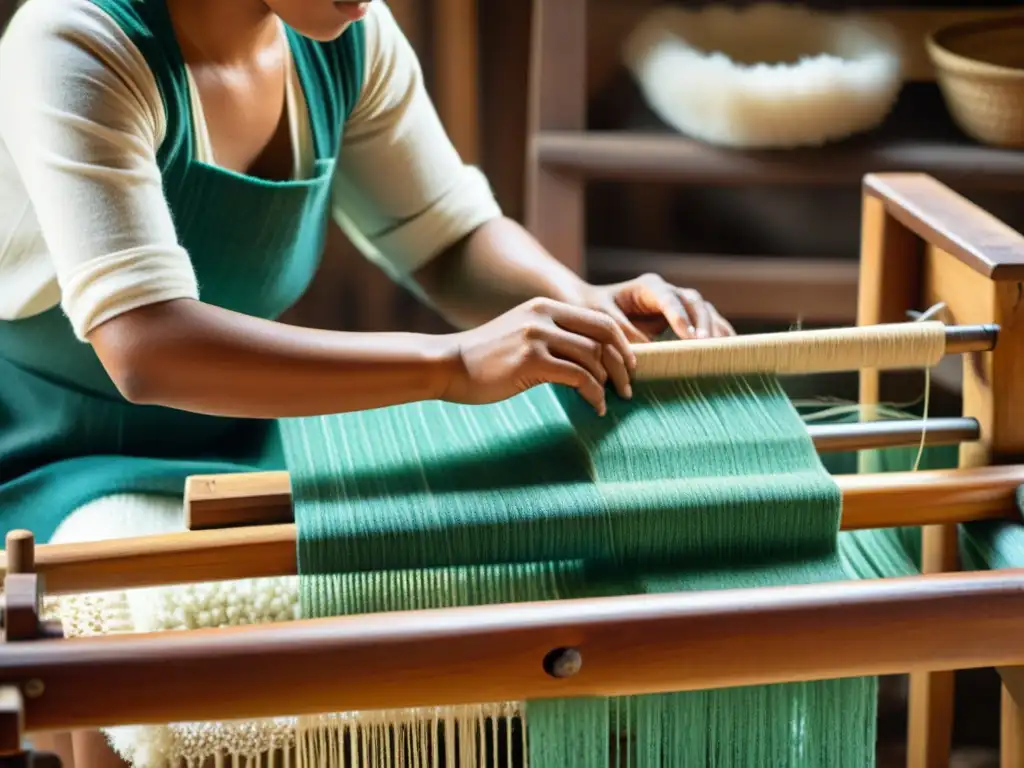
x: 922, y: 245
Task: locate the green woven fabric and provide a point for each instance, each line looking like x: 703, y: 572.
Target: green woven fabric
x: 692, y: 485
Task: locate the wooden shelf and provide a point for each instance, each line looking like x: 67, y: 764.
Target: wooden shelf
x: 628, y: 156
x: 763, y: 288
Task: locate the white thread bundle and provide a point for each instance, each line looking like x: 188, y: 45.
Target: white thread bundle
x: 883, y: 347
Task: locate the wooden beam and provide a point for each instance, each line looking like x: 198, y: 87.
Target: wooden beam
x: 946, y: 220
x: 631, y: 645
x: 668, y: 157
x: 263, y: 498
x: 869, y: 501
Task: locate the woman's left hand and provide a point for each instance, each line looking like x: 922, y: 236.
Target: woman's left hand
x: 646, y: 306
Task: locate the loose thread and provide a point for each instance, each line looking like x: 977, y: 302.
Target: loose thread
x: 877, y: 411
x: 924, y: 424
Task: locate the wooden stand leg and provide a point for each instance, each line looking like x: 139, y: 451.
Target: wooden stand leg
x: 988, y: 396
x: 930, y: 731
x: 890, y: 284
x: 1011, y: 747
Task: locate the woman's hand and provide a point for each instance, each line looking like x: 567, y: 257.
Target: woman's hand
x: 542, y: 342
x: 646, y: 306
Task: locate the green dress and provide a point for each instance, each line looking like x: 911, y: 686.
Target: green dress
x: 67, y: 437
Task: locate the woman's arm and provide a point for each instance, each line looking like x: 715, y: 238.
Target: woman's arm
x: 494, y: 268
x: 197, y: 357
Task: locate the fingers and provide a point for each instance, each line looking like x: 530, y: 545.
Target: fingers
x: 602, y: 361
x: 558, y: 371
x: 699, y: 312
x: 618, y: 372
x: 633, y: 333
x: 720, y: 326
x: 594, y: 325
x: 684, y: 309
x: 669, y: 302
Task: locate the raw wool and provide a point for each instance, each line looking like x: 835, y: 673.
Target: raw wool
x: 171, y: 609
x: 766, y: 76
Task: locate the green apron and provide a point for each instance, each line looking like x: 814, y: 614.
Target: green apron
x: 67, y: 437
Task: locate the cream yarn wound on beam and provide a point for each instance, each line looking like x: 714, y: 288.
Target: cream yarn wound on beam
x: 767, y: 76
x: 897, y: 345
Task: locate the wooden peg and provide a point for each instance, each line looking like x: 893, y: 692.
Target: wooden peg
x: 21, y: 552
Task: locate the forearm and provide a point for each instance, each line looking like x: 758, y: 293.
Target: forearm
x: 196, y: 357
x: 497, y: 267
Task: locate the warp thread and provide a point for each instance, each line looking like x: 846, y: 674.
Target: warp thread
x: 695, y: 484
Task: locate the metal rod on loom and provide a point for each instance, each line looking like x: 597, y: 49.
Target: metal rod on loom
x: 891, y: 499
x: 623, y: 645
x: 896, y: 433
x: 962, y: 339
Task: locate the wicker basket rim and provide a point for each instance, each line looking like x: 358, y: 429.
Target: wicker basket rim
x: 941, y: 55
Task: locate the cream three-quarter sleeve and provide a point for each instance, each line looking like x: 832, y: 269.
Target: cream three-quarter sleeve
x: 81, y: 118
x: 401, y: 190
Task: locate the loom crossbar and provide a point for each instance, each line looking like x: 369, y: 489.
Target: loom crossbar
x: 629, y: 645
x: 261, y: 498
x: 894, y: 499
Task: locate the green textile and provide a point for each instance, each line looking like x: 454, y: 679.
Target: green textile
x: 67, y: 436
x: 886, y: 552
x: 697, y: 484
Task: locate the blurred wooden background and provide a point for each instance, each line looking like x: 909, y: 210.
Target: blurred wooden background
x: 475, y: 56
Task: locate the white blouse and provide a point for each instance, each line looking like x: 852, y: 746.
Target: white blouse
x: 83, y: 219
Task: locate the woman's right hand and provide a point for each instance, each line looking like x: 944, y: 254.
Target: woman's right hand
x: 542, y: 342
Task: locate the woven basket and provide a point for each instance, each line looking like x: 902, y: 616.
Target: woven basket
x: 980, y: 68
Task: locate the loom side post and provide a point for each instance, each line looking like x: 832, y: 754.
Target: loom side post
x: 21, y: 624
x: 922, y: 244
x: 890, y: 284
x: 988, y: 396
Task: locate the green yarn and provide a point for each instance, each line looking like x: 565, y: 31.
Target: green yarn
x: 698, y: 484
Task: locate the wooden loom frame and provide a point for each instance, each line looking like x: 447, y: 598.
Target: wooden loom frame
x: 922, y: 244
